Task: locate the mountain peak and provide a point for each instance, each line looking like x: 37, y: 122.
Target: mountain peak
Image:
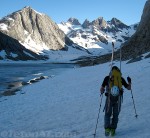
x: 100, y: 18
x: 73, y: 21
x: 86, y: 23
x: 118, y: 23
x: 99, y: 22
x: 27, y: 7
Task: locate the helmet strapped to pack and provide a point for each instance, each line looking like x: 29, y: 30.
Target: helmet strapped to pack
x: 115, y: 83
x: 114, y: 91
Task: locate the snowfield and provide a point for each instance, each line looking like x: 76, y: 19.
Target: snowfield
x: 66, y: 106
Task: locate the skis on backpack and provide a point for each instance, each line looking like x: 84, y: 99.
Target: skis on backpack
x: 111, y: 65
x: 112, y: 56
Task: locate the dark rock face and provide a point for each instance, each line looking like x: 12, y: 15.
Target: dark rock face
x: 116, y: 26
x: 139, y: 43
x: 86, y: 24
x: 117, y: 23
x: 12, y: 46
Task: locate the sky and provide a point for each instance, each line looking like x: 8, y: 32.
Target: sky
x: 128, y: 11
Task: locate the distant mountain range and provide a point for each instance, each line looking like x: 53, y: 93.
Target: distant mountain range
x: 97, y: 36
x: 29, y: 35
x: 134, y: 49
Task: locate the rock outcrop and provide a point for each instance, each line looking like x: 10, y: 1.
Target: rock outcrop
x: 99, y: 23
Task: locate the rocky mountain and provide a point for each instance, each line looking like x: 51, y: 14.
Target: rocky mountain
x: 96, y: 36
x: 139, y: 43
x: 28, y: 34
x: 134, y: 48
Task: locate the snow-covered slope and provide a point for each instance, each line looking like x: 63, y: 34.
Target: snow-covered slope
x: 66, y: 56
x: 97, y: 36
x: 67, y: 105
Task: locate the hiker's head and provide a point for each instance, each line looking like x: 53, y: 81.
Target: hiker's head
x: 116, y: 68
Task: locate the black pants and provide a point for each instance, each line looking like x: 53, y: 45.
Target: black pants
x: 111, y: 114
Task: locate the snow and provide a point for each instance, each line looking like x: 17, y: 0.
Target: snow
x: 3, y: 27
x: 67, y: 105
x: 65, y: 27
x: 26, y: 32
x: 38, y: 12
x: 2, y: 53
x: 65, y: 56
x: 33, y: 46
x: 13, y: 55
x: 9, y: 18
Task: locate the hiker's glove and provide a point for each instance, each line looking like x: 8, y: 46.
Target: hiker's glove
x: 129, y: 79
x: 102, y: 90
x: 106, y: 94
x: 121, y: 92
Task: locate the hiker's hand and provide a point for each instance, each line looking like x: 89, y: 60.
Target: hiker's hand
x: 106, y: 94
x: 129, y: 79
x: 102, y: 90
x: 129, y: 86
x: 121, y: 92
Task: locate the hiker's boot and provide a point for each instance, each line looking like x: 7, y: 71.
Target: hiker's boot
x: 112, y: 132
x: 107, y: 131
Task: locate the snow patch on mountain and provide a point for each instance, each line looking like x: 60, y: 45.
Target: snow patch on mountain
x: 30, y: 44
x: 67, y: 55
x: 3, y: 27
x: 2, y: 53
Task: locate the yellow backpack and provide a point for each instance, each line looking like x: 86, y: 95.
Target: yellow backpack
x: 115, y: 78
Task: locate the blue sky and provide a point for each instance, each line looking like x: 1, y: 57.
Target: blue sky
x: 128, y: 11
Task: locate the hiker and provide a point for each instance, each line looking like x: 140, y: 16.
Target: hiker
x: 114, y: 94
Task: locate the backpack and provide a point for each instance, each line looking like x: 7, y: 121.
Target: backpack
x: 115, y: 82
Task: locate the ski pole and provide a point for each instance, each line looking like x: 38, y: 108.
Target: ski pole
x: 120, y: 57
x: 98, y: 114
x: 134, y: 104
x: 112, y: 56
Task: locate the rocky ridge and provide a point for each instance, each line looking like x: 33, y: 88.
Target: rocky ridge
x: 97, y: 35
